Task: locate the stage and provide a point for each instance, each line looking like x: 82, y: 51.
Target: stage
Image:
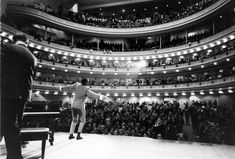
x: 123, y: 147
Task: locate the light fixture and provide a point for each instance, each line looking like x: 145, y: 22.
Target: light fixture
x: 211, y: 92
x: 158, y: 94
x: 46, y: 92
x: 65, y: 70
x: 220, y: 92
x: 149, y: 94
x: 132, y: 94
x: 183, y: 94
x: 192, y: 93
x: 91, y: 73
x: 65, y: 93
x: 230, y: 91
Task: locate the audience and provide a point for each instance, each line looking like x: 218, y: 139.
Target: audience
x: 130, y: 20
x: 137, y: 81
x: 155, y: 120
x: 158, y: 62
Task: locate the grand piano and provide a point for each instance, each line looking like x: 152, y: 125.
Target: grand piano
x: 42, y: 114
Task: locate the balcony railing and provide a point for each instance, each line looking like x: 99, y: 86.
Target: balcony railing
x: 22, y: 11
x: 225, y: 82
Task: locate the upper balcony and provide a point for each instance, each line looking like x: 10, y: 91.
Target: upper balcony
x: 210, y: 42
x: 33, y: 14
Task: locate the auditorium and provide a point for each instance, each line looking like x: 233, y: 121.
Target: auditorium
x: 117, y: 79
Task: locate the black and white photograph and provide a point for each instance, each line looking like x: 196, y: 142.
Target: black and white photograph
x: 117, y: 79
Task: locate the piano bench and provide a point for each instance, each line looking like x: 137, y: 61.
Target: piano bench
x: 33, y: 134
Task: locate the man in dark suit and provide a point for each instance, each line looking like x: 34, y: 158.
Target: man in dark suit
x: 17, y: 70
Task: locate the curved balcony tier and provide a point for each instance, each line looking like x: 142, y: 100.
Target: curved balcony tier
x: 217, y: 84
x: 195, y: 65
x: 30, y: 13
x: 217, y: 39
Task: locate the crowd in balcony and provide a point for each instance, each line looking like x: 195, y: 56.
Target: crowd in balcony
x: 118, y: 46
x: 210, y: 122
x: 130, y: 20
x: 137, y: 81
x: 158, y: 62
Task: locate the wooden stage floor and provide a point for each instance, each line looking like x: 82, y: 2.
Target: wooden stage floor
x: 123, y: 147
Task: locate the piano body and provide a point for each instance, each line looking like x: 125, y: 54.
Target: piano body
x: 42, y: 114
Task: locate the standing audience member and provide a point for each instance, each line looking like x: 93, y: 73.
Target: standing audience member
x: 18, y: 67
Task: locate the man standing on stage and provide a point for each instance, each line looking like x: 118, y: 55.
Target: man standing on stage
x: 81, y: 92
x: 17, y: 70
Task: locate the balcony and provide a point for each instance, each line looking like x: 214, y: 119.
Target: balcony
x: 22, y: 11
x: 217, y: 84
x: 176, y: 51
x: 221, y: 59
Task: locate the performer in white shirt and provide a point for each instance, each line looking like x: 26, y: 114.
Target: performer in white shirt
x: 81, y: 92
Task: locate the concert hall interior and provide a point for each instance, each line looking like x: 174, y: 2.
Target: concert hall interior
x: 146, y: 78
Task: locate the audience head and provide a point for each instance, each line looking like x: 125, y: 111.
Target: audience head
x: 20, y: 37
x: 84, y: 81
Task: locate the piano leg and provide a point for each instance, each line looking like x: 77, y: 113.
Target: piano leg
x: 52, y: 126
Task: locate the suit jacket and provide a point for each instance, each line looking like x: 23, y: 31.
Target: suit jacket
x: 17, y: 70
x: 81, y: 93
